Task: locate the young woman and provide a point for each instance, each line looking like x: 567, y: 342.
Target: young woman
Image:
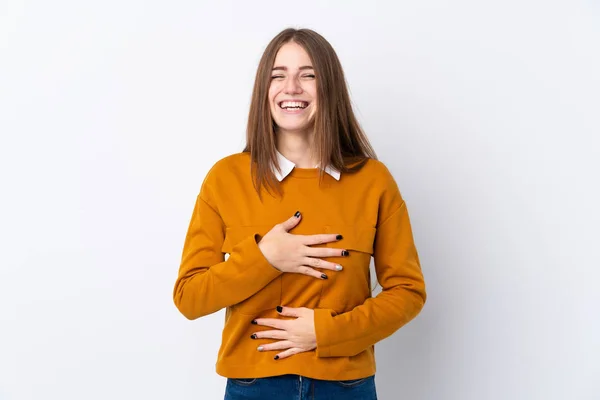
x: 300, y: 212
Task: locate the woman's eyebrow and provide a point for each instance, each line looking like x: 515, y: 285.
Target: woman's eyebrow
x: 282, y: 68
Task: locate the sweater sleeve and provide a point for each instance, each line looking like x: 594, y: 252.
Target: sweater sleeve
x: 401, y: 299
x: 206, y: 283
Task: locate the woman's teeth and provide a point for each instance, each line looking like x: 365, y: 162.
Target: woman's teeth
x: 293, y: 105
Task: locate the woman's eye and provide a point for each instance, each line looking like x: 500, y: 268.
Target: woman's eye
x: 309, y: 76
x: 277, y: 77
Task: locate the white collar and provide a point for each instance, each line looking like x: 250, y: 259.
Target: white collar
x: 287, y: 166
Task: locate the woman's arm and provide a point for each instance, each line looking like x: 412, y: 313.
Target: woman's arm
x: 206, y: 283
x: 403, y: 295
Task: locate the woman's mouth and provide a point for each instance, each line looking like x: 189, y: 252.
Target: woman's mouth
x: 293, y: 107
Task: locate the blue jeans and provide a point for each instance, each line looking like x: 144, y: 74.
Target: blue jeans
x: 294, y: 387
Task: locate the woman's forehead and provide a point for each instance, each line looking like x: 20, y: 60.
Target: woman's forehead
x: 292, y: 55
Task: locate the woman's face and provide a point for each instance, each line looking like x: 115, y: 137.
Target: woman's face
x: 293, y: 89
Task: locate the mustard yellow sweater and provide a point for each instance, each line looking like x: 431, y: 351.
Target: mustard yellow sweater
x: 366, y: 208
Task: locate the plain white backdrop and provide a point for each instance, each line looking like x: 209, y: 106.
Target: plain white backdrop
x: 487, y: 113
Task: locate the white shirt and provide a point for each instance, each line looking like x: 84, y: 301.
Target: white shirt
x: 287, y: 166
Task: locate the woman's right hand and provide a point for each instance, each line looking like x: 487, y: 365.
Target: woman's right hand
x: 292, y: 253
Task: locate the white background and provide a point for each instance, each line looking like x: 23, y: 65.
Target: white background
x: 487, y: 113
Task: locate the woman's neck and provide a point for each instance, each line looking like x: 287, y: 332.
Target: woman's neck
x: 296, y: 147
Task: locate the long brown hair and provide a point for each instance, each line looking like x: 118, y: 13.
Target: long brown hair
x: 339, y: 140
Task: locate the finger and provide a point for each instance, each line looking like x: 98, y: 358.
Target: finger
x: 280, y: 345
x: 292, y: 221
x: 272, y: 322
x: 318, y: 263
x: 306, y: 270
x: 288, y: 353
x: 325, y: 252
x: 292, y: 312
x: 272, y: 334
x: 320, y: 238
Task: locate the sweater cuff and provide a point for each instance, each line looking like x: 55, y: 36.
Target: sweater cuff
x: 253, y: 257
x: 324, y: 328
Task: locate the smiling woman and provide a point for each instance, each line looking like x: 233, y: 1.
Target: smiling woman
x: 300, y: 211
x: 293, y: 90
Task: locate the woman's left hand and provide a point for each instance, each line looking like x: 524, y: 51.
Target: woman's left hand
x: 293, y: 335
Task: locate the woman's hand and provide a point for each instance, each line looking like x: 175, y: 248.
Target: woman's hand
x: 292, y: 253
x: 294, y: 335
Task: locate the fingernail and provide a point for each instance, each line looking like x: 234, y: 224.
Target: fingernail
x: 345, y: 253
x: 279, y: 309
x: 339, y: 237
x: 323, y: 276
x: 338, y: 268
x: 297, y: 214
x: 253, y: 336
x: 260, y: 348
x: 253, y: 322
x: 276, y: 357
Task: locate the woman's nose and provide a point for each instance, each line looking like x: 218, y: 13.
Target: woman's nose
x: 292, y: 86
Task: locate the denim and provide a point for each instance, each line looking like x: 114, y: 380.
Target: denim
x: 294, y: 387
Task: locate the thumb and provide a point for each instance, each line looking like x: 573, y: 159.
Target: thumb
x: 289, y: 311
x: 292, y: 221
